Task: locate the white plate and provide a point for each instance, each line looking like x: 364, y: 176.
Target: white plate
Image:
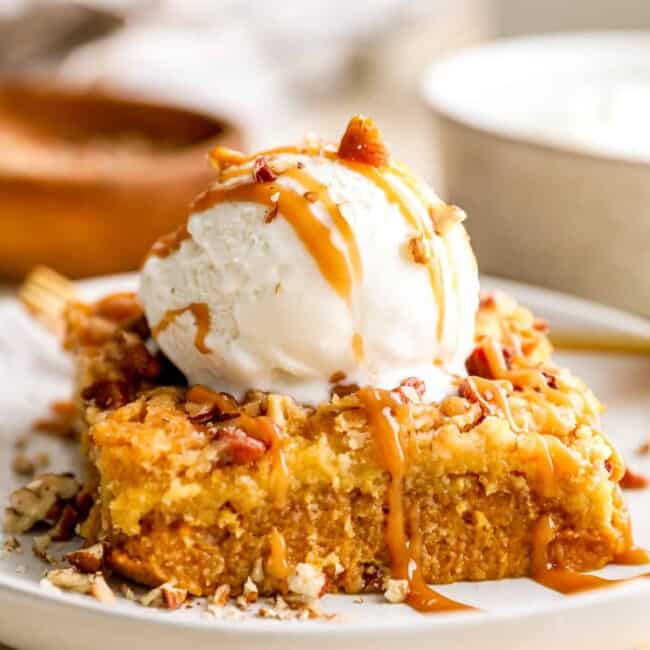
x: 516, y: 613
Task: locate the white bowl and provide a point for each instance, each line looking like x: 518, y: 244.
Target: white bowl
x: 545, y: 142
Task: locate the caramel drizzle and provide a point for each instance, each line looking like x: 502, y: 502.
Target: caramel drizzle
x: 296, y: 209
x: 378, y: 178
x: 277, y: 565
x: 201, y: 314
x: 321, y: 194
x: 357, y: 347
x: 169, y: 243
x: 567, y: 581
x: 264, y: 429
x: 487, y: 390
x: 530, y: 378
x: 261, y: 428
x: 386, y: 415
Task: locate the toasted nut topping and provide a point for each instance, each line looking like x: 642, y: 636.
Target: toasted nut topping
x: 363, y: 142
x: 63, y: 529
x: 307, y: 581
x: 477, y: 363
x: 153, y: 598
x: 101, y: 591
x: 262, y: 173
x: 118, y: 307
x: 38, y: 501
x: 220, y: 596
x: 250, y: 591
x: 40, y: 547
x: 238, y: 448
x: 396, y: 590
x: 418, y: 250
x: 82, y: 583
x: 173, y: 597
x: 87, y: 560
x: 411, y: 389
x: 445, y: 217
x: 107, y: 394
x: 271, y: 213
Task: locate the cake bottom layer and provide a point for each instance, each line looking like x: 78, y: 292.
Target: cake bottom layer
x: 466, y: 535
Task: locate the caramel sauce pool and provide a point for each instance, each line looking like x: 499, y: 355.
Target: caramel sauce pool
x: 567, y: 581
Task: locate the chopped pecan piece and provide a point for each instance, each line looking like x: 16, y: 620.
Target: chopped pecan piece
x: 82, y: 583
x: 271, y: 213
x: 412, y: 388
x: 551, y: 379
x: 87, y: 560
x: 238, y: 448
x: 477, y: 363
x: 39, y: 501
x: 467, y: 390
x: 262, y: 173
x: 63, y: 529
x: 118, y: 307
x: 445, y: 217
x: 140, y: 362
x: 418, y: 250
x: 307, y: 581
x: 107, y: 394
x: 342, y: 390
x: 173, y: 597
x: 634, y: 481
x: 396, y: 590
x: 251, y: 592
x: 204, y: 413
x: 220, y: 596
x: 84, y: 501
x: 362, y: 142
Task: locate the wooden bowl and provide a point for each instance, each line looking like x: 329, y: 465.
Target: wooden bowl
x: 90, y: 178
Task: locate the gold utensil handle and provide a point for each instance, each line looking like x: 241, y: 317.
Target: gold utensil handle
x: 612, y: 343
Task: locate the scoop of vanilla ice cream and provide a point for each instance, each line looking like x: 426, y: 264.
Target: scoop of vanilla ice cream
x: 291, y: 302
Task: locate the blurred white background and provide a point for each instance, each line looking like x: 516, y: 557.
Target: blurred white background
x: 284, y: 67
